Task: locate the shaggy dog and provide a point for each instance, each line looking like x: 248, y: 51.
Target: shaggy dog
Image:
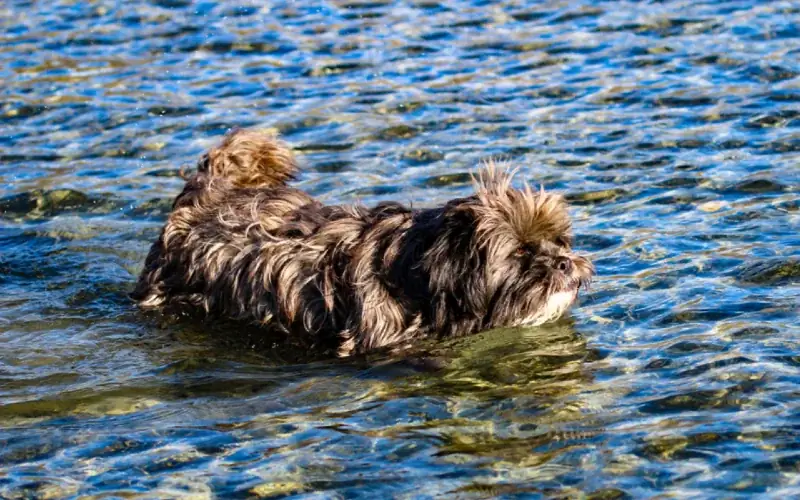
x: 241, y: 244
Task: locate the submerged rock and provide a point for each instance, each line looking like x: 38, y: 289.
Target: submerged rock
x: 422, y: 156
x: 758, y: 185
x: 48, y: 203
x: 595, y: 197
x: 397, y: 132
x: 447, y: 180
x: 770, y: 272
x: 40, y: 202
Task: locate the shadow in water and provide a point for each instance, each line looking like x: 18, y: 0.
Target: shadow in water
x: 232, y: 358
x: 505, y: 396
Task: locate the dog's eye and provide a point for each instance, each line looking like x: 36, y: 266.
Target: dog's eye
x: 522, y: 251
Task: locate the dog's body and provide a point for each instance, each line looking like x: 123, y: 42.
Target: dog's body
x: 242, y: 244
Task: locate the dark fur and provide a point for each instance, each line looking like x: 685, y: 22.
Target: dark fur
x: 242, y: 244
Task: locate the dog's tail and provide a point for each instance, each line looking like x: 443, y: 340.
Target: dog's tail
x: 250, y: 159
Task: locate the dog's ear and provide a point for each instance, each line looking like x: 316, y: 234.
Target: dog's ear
x: 452, y: 255
x: 455, y: 266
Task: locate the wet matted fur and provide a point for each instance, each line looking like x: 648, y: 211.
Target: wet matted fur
x: 242, y: 244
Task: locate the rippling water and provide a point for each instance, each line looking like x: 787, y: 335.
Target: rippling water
x: 671, y: 126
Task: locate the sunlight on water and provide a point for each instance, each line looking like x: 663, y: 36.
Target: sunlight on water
x: 671, y: 127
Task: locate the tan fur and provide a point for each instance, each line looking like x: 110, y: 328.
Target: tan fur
x: 242, y: 244
x: 251, y: 158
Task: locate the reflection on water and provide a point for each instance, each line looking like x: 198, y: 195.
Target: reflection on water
x: 671, y: 127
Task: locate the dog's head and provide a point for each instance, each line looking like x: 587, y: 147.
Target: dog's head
x: 505, y: 256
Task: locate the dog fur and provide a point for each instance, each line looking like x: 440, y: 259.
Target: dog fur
x: 242, y: 244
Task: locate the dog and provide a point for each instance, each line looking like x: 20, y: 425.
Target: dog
x: 241, y: 244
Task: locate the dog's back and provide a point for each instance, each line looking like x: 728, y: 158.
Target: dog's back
x: 242, y: 244
x: 237, y: 195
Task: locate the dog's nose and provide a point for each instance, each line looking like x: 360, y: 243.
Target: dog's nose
x: 564, y: 264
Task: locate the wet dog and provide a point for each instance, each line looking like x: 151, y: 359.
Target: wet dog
x: 242, y: 244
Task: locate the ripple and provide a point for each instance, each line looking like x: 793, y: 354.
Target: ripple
x: 695, y: 401
x: 173, y: 110
x: 335, y: 69
x: 670, y: 127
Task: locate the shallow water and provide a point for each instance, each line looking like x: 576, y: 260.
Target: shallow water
x: 671, y: 126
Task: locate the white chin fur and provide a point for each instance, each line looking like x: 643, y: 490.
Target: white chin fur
x: 556, y: 305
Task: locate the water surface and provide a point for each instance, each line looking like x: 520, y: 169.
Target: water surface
x: 671, y: 126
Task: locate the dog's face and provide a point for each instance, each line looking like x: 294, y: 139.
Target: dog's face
x: 506, y: 254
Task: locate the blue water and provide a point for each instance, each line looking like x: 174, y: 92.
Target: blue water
x: 672, y: 127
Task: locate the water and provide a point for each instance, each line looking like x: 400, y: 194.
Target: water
x: 671, y: 126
